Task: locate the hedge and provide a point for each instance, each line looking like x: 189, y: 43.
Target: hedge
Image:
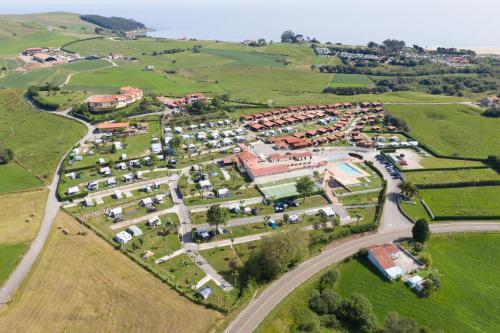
x: 465, y: 218
x: 63, y: 47
x: 358, y: 156
x: 448, y: 169
x: 460, y: 184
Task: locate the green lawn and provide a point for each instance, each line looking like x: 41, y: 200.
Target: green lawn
x: 15, y: 178
x: 414, y: 211
x: 466, y: 301
x: 10, y: 255
x: 38, y: 139
x: 451, y: 129
x: 476, y: 201
x: 350, y: 80
x: 361, y: 199
x: 451, y: 176
x: 436, y: 162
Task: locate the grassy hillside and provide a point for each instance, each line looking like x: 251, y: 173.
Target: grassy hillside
x: 39, y: 140
x: 18, y: 32
x: 80, y: 284
x: 466, y: 302
x: 451, y: 129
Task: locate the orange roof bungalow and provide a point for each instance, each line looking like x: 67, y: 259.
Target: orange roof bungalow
x: 382, y: 257
x: 300, y: 118
x: 391, y: 128
x: 281, y: 122
x: 293, y: 109
x: 378, y: 109
x: 269, y: 124
x: 247, y: 117
x: 267, y: 114
x: 108, y: 127
x: 301, y: 144
x: 277, y: 112
x: 332, y: 112
x: 311, y: 133
x: 347, y: 105
x: 128, y: 95
x: 257, y: 127
x: 302, y: 108
x: 32, y: 50
x: 291, y: 120
x: 376, y: 128
x: 299, y: 135
x: 322, y: 107
x: 365, y: 105
x: 322, y: 130
x: 312, y: 107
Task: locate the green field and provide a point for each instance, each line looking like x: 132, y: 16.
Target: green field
x: 476, y: 201
x: 453, y: 308
x: 350, y: 80
x: 39, y: 140
x: 414, y: 211
x: 451, y: 129
x: 451, y: 176
x: 9, y: 257
x: 280, y: 191
x: 15, y: 178
x: 436, y: 162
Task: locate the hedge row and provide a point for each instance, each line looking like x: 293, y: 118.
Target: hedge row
x: 464, y: 218
x: 459, y: 184
x: 448, y: 169
x: 63, y: 47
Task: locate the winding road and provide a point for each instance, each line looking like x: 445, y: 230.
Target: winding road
x: 51, y: 208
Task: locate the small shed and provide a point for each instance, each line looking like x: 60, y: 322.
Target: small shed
x: 204, y: 292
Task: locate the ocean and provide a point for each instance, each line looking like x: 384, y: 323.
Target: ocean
x: 428, y: 23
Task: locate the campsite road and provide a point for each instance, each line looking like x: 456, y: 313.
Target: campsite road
x: 249, y: 319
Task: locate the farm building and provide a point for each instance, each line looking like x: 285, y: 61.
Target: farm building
x: 127, y: 95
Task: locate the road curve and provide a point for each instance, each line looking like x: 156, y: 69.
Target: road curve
x: 51, y: 208
x: 258, y: 309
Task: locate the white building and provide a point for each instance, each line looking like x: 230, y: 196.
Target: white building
x: 382, y: 257
x: 123, y: 237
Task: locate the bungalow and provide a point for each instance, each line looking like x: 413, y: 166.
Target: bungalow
x: 311, y: 133
x: 72, y: 190
x: 257, y: 127
x: 153, y: 222
x: 204, y: 292
x: 249, y: 117
x: 134, y: 231
x: 115, y: 212
x: 223, y: 193
x: 205, y: 185
x: 146, y: 202
x: 123, y: 237
x: 382, y: 257
x: 111, y: 127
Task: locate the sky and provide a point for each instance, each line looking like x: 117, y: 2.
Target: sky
x: 428, y: 23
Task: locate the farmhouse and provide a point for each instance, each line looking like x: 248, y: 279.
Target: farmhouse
x: 382, y: 257
x: 32, y: 50
x: 43, y: 57
x: 127, y: 95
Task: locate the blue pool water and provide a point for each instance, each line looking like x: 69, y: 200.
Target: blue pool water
x: 348, y: 169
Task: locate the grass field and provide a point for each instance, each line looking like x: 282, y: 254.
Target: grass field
x: 436, y: 162
x: 38, y: 139
x: 465, y: 260
x: 451, y: 129
x: 81, y: 284
x: 463, y: 201
x: 21, y: 215
x: 451, y: 176
x: 15, y: 178
x: 414, y: 211
x: 350, y: 80
x: 65, y: 99
x: 9, y: 257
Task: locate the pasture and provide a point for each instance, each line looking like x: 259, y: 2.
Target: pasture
x: 109, y: 295
x: 451, y: 129
x: 451, y: 176
x: 453, y: 308
x: 475, y: 201
x: 339, y: 80
x: 39, y: 140
x: 15, y: 178
x: 9, y: 257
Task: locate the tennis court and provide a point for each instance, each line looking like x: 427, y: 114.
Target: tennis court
x: 279, y: 191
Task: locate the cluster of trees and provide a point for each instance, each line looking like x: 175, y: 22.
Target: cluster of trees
x: 493, y: 112
x: 257, y: 43
x: 455, y: 52
x: 289, y: 36
x: 219, y: 102
x: 399, y: 123
x: 6, y: 155
x: 353, y: 313
x: 277, y: 254
x: 113, y: 23
x: 169, y: 51
x: 355, y: 90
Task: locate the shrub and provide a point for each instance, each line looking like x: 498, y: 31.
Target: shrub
x: 325, y: 302
x: 358, y: 311
x: 425, y: 258
x: 329, y: 278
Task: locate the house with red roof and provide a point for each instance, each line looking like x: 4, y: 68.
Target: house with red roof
x: 383, y: 258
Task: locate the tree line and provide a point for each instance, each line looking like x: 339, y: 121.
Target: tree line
x: 113, y: 23
x: 347, y: 91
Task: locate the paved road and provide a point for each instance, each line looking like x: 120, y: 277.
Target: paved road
x: 51, y: 208
x: 259, y: 308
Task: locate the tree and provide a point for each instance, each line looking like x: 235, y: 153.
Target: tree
x: 216, y: 216
x: 176, y: 141
x: 323, y: 220
x: 358, y: 311
x: 408, y: 189
x: 282, y: 251
x: 425, y: 258
x: 372, y: 45
x: 396, y: 324
x: 305, y: 186
x: 420, y: 231
x: 6, y: 155
x: 325, y: 302
x: 329, y: 278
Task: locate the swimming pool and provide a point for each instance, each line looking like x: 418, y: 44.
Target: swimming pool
x: 348, y: 169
